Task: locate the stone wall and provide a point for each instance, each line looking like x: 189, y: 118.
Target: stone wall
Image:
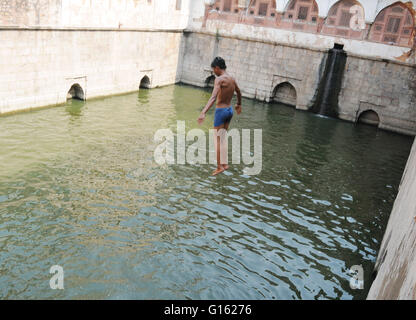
x: 379, y: 76
x: 386, y: 87
x: 396, y: 262
x: 258, y: 66
x: 38, y: 67
x: 104, y: 46
x: 152, y: 14
x: 107, y: 46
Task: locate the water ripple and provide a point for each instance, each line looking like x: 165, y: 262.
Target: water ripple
x: 79, y: 188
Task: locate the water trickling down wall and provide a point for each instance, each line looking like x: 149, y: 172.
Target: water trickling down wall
x: 330, y: 84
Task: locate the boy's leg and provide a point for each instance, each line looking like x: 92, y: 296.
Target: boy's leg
x: 225, y: 148
x: 217, y: 142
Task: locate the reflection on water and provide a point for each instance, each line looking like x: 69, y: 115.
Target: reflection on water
x: 79, y: 188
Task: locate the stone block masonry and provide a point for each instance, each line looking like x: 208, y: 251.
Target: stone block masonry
x: 258, y: 66
x: 38, y: 67
x: 102, y: 47
x: 383, y: 86
x: 106, y: 47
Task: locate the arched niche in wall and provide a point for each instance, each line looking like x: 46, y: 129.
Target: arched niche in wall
x: 284, y: 93
x: 346, y: 18
x: 145, y: 82
x: 301, y: 15
x: 369, y: 117
x: 394, y: 25
x: 209, y: 82
x: 76, y: 92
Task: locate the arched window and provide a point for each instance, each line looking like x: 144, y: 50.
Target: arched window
x: 226, y: 6
x: 223, y: 10
x: 301, y: 15
x: 259, y: 12
x: 263, y: 8
x: 340, y: 16
x: 393, y: 25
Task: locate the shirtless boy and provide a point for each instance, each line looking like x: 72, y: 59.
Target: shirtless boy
x: 224, y: 88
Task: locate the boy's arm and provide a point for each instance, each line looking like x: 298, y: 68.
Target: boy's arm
x: 239, y: 97
x: 214, y: 95
x: 211, y: 101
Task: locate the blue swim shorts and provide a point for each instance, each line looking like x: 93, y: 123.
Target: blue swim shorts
x: 223, y: 115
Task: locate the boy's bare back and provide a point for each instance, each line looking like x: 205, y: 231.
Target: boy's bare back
x: 227, y: 87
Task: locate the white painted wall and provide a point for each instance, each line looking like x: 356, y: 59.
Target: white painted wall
x: 156, y: 14
x: 128, y: 13
x: 38, y: 67
x: 30, y: 60
x: 140, y: 13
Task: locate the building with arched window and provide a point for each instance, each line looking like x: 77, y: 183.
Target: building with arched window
x: 383, y: 21
x: 301, y: 15
x: 260, y: 12
x: 277, y: 49
x: 394, y: 25
x: 340, y: 22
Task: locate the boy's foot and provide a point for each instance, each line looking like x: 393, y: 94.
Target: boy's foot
x: 225, y: 166
x: 218, y: 171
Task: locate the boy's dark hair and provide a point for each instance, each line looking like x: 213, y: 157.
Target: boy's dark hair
x: 219, y: 62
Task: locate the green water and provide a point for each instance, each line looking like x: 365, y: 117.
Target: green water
x: 79, y: 188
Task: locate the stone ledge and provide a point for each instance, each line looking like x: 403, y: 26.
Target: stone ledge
x: 49, y: 28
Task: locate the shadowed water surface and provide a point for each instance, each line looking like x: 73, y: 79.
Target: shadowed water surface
x: 79, y: 188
